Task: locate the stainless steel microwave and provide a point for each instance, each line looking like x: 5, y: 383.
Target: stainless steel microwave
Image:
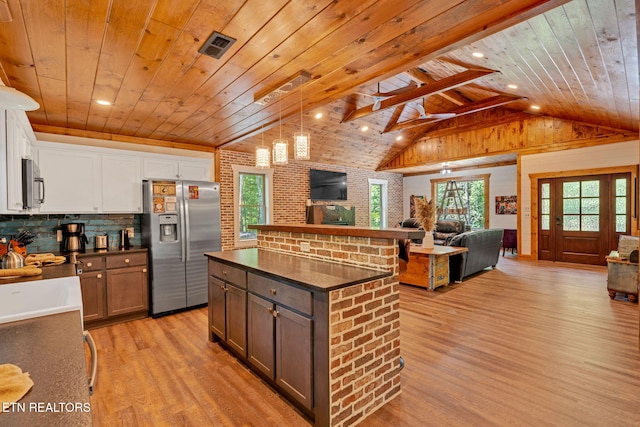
x: 32, y: 185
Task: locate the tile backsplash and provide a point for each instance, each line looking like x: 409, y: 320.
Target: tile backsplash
x: 45, y: 227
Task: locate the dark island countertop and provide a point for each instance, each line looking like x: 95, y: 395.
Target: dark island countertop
x: 306, y: 272
x: 51, y: 350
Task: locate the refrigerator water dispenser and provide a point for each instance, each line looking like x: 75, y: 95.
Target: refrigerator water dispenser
x: 168, y: 228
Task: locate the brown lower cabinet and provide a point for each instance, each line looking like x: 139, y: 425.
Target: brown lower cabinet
x: 269, y: 324
x: 115, y: 287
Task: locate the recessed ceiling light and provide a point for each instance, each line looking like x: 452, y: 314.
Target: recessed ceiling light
x: 364, y: 128
x: 535, y: 107
x: 399, y: 138
x: 318, y: 115
x: 478, y: 54
x: 103, y: 102
x: 512, y: 86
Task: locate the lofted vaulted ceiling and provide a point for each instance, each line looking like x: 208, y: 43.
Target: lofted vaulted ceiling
x: 401, y: 68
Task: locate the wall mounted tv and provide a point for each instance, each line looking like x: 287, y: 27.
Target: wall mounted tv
x: 327, y: 185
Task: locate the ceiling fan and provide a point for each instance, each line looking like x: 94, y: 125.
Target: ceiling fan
x: 425, y: 115
x: 378, y: 97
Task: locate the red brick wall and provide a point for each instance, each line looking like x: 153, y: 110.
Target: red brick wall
x: 291, y: 191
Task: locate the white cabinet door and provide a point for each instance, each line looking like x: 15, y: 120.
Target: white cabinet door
x: 160, y: 168
x: 121, y: 184
x: 196, y: 170
x: 20, y: 137
x: 72, y: 180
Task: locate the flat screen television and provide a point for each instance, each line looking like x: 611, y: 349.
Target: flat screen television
x: 327, y: 185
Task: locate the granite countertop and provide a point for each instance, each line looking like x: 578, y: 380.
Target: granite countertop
x: 306, y: 272
x: 51, y: 350
x: 49, y: 272
x: 111, y: 251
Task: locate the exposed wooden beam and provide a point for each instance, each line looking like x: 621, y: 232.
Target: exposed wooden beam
x: 121, y: 138
x: 420, y: 92
x: 416, y: 74
x: 466, y: 168
x: 474, y: 107
x: 393, y: 120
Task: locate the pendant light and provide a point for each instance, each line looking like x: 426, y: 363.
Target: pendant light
x: 12, y: 99
x: 301, y: 140
x: 280, y: 146
x: 263, y: 154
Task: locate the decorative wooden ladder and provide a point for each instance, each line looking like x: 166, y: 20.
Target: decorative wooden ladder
x: 451, y: 206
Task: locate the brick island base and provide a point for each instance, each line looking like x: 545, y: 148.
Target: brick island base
x: 364, y: 321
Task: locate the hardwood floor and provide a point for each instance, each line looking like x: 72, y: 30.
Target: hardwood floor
x: 527, y: 344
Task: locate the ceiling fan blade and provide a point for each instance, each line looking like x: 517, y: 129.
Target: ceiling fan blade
x: 376, y: 104
x: 441, y: 115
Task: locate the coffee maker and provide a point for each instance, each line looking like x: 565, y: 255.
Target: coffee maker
x: 73, y: 237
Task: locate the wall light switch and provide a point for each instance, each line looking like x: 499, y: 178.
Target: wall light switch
x: 305, y: 247
x: 59, y: 236
x: 130, y: 232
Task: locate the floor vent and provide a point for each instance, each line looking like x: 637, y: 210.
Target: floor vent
x: 217, y: 45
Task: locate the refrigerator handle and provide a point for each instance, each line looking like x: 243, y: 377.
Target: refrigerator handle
x: 188, y: 230
x: 183, y: 233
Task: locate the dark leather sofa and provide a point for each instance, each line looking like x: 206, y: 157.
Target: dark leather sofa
x: 444, y: 232
x: 484, y: 251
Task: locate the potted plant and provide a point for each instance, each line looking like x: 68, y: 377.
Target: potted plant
x: 426, y: 216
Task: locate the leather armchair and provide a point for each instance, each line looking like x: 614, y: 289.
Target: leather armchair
x: 446, y: 230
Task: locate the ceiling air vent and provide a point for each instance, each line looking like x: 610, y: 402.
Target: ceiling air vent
x: 273, y: 94
x: 217, y: 45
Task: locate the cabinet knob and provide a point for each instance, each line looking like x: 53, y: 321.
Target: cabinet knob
x: 270, y: 310
x: 99, y: 276
x: 273, y: 291
x: 275, y: 313
x: 144, y: 270
x: 89, y: 264
x: 126, y: 261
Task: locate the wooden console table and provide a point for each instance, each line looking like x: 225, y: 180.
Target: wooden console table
x: 429, y: 267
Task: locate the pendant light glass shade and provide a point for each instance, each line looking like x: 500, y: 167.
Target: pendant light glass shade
x: 280, y: 152
x: 263, y: 154
x: 263, y: 157
x: 301, y: 140
x: 301, y: 145
x: 280, y: 146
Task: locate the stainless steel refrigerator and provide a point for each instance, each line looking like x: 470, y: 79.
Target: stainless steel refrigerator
x: 181, y: 222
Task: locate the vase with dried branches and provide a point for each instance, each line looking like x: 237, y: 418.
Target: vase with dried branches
x: 426, y: 216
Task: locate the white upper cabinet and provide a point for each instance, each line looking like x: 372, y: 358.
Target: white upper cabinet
x: 121, y: 184
x: 196, y: 170
x: 173, y: 168
x: 72, y: 179
x: 87, y: 179
x: 160, y: 168
x: 18, y: 137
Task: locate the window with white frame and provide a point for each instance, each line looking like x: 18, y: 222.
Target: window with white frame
x: 377, y: 203
x: 253, y: 194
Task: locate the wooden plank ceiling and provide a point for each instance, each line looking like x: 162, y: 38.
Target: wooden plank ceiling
x: 385, y: 64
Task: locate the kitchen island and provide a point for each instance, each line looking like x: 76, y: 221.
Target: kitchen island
x: 315, y: 311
